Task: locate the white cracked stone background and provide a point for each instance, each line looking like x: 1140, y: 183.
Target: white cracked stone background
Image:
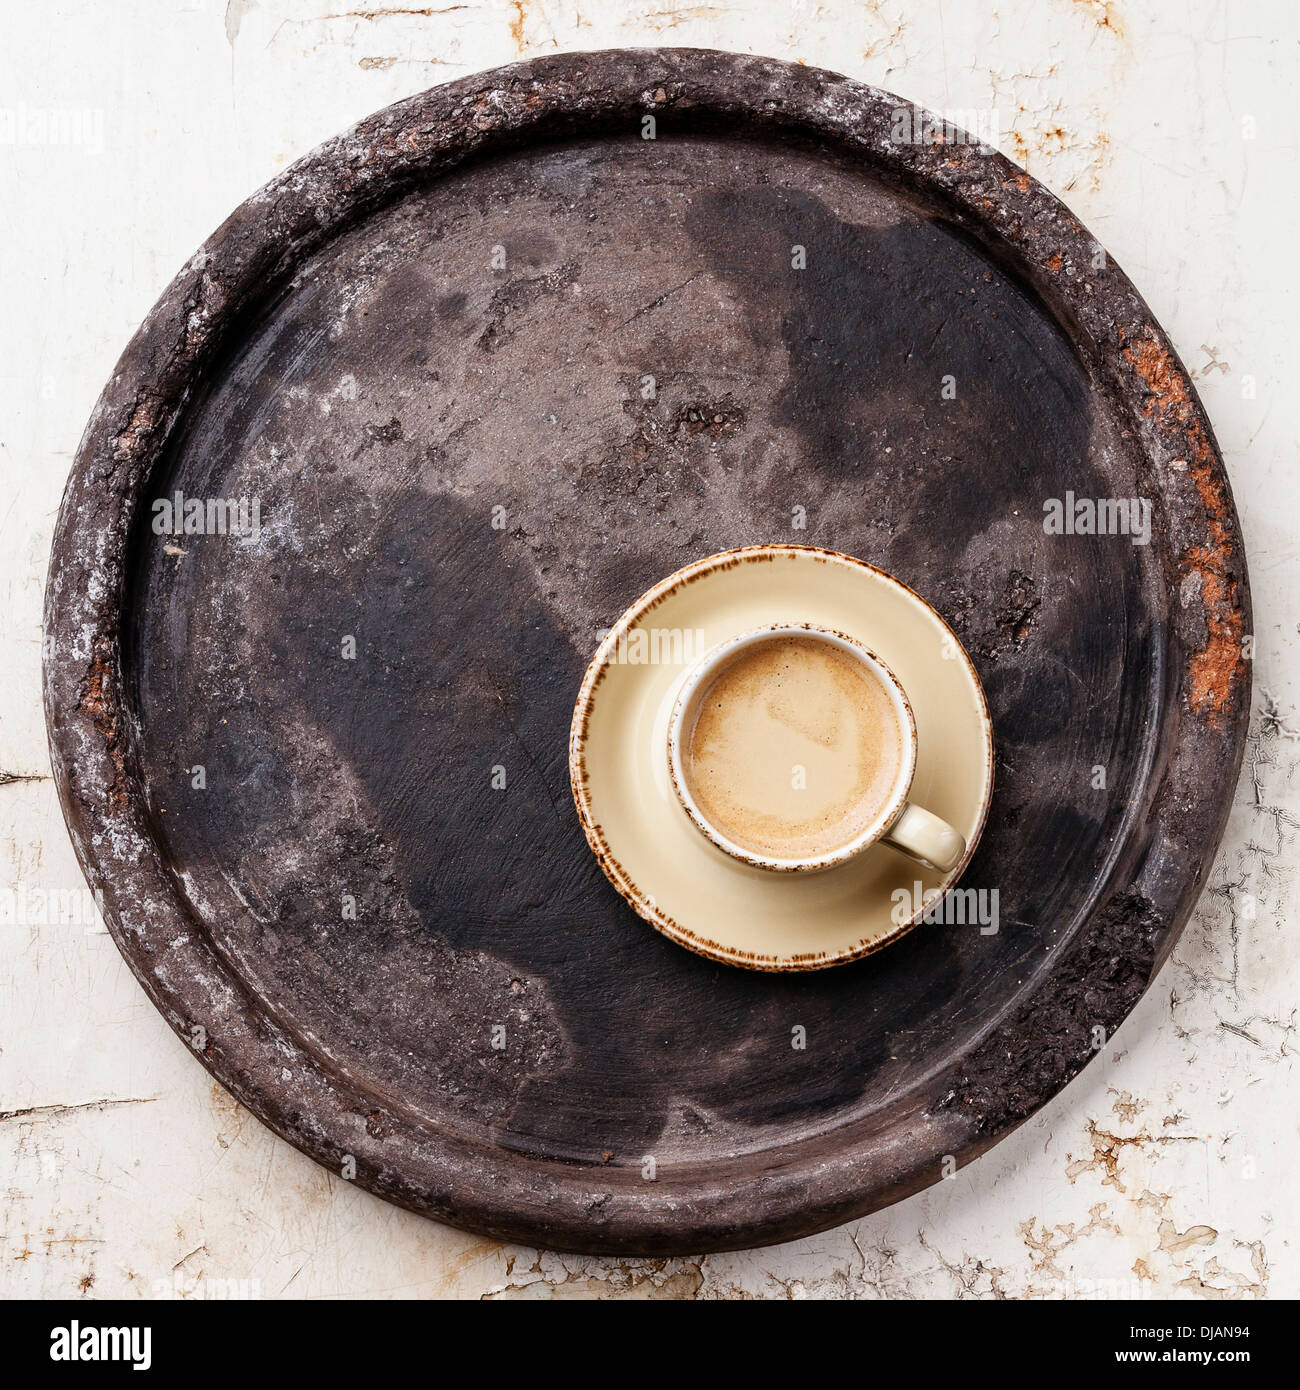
x: 1166, y: 1168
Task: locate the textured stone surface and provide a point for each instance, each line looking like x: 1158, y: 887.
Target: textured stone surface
x: 1114, y: 1152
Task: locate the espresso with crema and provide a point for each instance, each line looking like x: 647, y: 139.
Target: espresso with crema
x: 795, y: 749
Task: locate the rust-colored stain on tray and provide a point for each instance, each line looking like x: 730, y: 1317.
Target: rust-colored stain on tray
x: 1218, y: 666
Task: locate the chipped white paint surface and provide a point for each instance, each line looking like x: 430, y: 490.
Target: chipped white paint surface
x: 1166, y: 1168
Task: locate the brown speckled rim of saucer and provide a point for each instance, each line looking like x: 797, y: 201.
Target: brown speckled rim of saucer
x: 579, y: 777
x: 709, y: 665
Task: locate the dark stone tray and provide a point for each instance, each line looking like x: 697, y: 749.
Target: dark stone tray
x: 344, y: 351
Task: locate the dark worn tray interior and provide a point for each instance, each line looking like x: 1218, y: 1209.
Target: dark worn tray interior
x: 381, y: 390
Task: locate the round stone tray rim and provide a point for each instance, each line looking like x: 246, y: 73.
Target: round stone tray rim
x: 91, y: 722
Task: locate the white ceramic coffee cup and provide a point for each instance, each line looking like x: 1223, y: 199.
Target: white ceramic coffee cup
x: 899, y: 822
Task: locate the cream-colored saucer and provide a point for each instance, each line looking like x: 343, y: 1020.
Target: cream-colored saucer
x: 645, y: 842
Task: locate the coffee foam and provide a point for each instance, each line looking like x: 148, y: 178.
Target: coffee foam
x: 795, y: 748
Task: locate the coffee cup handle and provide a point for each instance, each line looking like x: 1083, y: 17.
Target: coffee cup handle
x: 925, y: 837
